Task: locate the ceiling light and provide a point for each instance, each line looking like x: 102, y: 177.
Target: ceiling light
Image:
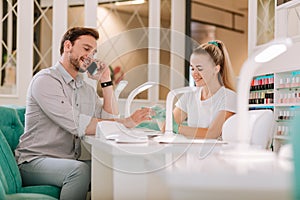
x: 132, y: 2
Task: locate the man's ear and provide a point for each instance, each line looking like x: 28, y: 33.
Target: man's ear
x: 67, y: 46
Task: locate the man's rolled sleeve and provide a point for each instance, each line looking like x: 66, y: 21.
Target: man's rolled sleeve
x: 84, y: 120
x: 106, y: 115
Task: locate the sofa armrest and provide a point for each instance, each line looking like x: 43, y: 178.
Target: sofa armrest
x: 42, y: 189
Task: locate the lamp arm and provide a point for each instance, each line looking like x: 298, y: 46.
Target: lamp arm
x: 244, y: 82
x: 169, y: 106
x: 121, y: 86
x: 134, y: 92
x: 169, y: 111
x: 127, y: 104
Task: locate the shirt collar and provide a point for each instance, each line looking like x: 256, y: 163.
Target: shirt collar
x: 77, y: 82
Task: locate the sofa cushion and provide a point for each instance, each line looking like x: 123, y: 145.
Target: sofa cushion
x: 19, y: 196
x: 20, y: 111
x: 12, y: 176
x: 9, y: 167
x: 11, y: 126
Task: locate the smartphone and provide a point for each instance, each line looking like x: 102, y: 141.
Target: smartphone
x: 92, y: 68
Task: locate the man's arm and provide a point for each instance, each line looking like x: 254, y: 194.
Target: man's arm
x: 49, y: 96
x: 136, y: 118
x: 110, y: 104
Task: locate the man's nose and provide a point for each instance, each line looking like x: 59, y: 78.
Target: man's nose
x: 196, y: 73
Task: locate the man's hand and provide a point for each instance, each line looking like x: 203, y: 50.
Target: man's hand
x: 102, y: 74
x: 137, y: 117
x: 91, y: 127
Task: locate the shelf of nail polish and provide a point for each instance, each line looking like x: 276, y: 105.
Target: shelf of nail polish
x: 294, y: 88
x: 280, y: 92
x: 286, y: 115
x: 261, y: 97
x: 283, y: 130
x: 282, y: 137
x: 265, y: 82
x: 289, y: 80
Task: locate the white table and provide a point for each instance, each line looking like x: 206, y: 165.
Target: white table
x: 181, y: 171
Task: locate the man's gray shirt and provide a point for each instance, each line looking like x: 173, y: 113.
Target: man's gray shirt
x: 58, y: 109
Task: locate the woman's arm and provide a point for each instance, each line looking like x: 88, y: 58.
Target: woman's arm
x: 179, y: 115
x: 212, y: 132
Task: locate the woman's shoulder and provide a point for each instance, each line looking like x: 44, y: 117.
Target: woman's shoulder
x: 229, y: 92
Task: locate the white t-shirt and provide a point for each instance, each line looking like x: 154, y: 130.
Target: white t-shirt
x: 201, y: 113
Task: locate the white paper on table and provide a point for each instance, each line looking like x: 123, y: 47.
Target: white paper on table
x: 116, y: 131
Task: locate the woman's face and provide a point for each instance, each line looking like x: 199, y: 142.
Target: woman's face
x: 203, y: 70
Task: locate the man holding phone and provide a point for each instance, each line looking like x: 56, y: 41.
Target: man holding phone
x: 61, y: 108
x: 92, y: 69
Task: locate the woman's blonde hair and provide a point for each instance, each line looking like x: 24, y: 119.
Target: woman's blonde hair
x: 219, y: 54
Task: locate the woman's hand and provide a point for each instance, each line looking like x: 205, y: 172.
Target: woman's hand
x: 137, y: 117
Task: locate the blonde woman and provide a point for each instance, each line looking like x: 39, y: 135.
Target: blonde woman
x: 214, y: 100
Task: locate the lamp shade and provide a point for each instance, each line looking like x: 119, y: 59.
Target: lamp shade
x: 135, y: 92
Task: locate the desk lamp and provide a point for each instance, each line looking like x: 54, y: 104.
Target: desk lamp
x: 169, y: 106
x: 135, y: 92
x: 122, y: 84
x: 265, y: 59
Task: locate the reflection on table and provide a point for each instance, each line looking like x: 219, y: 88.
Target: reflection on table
x: 152, y: 170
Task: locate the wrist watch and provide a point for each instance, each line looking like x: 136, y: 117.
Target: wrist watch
x: 106, y: 84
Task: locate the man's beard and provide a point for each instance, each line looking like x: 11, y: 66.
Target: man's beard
x: 76, y: 64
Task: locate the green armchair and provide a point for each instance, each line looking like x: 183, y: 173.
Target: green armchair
x: 18, y: 196
x: 11, y: 129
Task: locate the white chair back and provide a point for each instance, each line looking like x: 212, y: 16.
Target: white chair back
x: 261, y: 124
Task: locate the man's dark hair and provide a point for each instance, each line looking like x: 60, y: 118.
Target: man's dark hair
x: 74, y: 33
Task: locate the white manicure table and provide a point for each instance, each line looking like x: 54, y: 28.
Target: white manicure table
x: 153, y: 170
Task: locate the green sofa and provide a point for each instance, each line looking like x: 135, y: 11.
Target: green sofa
x: 11, y: 128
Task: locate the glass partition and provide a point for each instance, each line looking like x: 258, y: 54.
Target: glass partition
x: 8, y: 32
x: 265, y: 21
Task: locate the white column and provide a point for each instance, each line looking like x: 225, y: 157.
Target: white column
x: 90, y: 12
x: 178, y: 12
x: 60, y: 25
x: 24, y: 50
x: 90, y: 20
x: 154, y: 48
x: 252, y: 26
